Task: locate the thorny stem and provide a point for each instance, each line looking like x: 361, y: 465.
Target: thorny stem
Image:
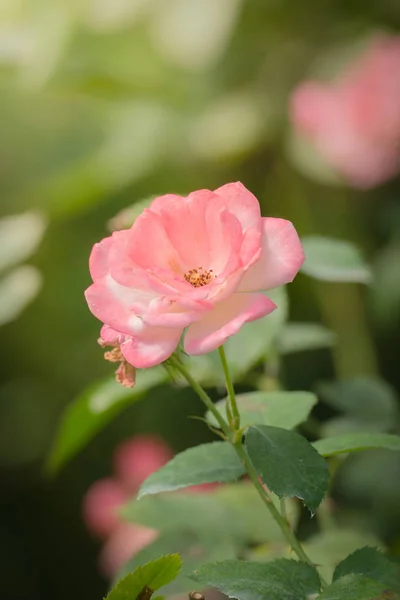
x: 231, y: 392
x: 231, y: 434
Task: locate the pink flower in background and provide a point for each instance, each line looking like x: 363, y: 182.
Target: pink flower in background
x: 134, y: 460
x: 100, y: 506
x: 124, y: 542
x: 355, y: 122
x: 139, y: 457
x: 197, y: 262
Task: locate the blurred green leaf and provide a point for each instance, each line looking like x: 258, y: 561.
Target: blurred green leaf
x: 371, y: 563
x: 327, y: 548
x: 144, y: 581
x: 288, y: 464
x: 278, y: 580
x: 354, y: 442
x: 297, y: 337
x: 306, y: 158
x: 233, y: 512
x: 20, y: 235
x: 91, y: 411
x: 355, y: 587
x: 279, y: 409
x: 368, y: 400
x: 206, y: 463
x: 126, y: 217
x: 17, y: 289
x: 385, y: 290
x: 331, y: 259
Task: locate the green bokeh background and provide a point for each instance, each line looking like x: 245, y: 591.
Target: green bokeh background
x: 106, y: 102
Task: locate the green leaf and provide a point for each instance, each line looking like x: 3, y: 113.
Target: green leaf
x: 232, y: 511
x: 354, y: 442
x: 355, y: 587
x: 278, y: 580
x: 255, y: 339
x: 279, y: 409
x: 144, y: 581
x: 366, y: 399
x: 297, y: 337
x: 330, y: 259
x: 327, y: 548
x: 193, y: 550
x: 288, y: 464
x: 370, y: 563
x: 206, y: 463
x: 91, y: 411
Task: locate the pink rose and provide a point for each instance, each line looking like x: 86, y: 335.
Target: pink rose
x: 199, y: 263
x: 354, y: 122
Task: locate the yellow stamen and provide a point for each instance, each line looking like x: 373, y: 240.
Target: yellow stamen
x: 199, y: 277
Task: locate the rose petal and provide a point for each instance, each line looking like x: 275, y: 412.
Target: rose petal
x: 281, y: 258
x: 151, y: 346
x: 98, y: 260
x: 225, y: 320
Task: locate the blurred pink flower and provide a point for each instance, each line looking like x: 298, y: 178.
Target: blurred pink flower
x: 354, y: 122
x: 100, y: 506
x: 124, y: 542
x: 139, y: 457
x: 197, y: 262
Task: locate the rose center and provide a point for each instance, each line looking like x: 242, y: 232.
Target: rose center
x: 199, y: 277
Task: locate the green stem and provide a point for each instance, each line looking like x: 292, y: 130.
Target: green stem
x: 231, y: 435
x: 201, y: 393
x: 280, y: 520
x: 230, y: 389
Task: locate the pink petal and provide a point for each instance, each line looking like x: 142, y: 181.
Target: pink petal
x: 98, y: 260
x: 164, y: 312
x: 246, y: 208
x: 151, y: 346
x: 116, y: 305
x: 281, y: 258
x: 225, y: 320
x: 150, y: 245
x: 239, y: 201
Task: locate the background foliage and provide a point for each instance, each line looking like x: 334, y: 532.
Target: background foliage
x: 104, y: 103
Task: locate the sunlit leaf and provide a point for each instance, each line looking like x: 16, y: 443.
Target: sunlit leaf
x: 20, y: 235
x: 297, y: 337
x: 279, y: 409
x: 144, y: 581
x: 17, y: 289
x: 331, y: 259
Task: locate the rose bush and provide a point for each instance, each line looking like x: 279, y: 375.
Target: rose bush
x: 354, y: 122
x: 197, y: 262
